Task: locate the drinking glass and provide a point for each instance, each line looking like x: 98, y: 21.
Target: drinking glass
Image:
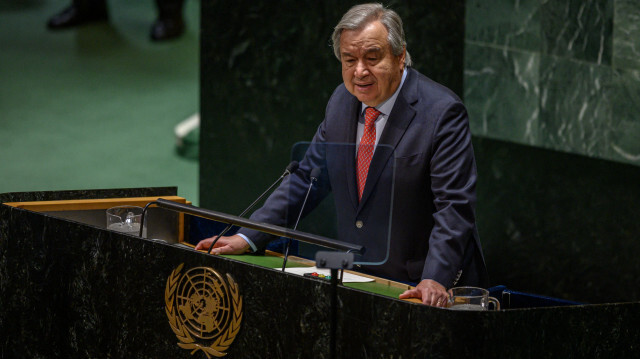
x: 125, y: 219
x: 471, y: 298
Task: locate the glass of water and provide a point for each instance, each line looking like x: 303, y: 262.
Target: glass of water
x: 471, y: 298
x: 125, y: 219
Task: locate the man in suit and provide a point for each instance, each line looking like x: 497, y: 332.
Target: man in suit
x: 383, y: 103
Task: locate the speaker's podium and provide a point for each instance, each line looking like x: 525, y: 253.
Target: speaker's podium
x: 71, y: 288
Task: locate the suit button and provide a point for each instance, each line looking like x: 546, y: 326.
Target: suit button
x: 359, y: 224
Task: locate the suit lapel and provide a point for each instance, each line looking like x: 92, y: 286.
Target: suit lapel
x: 350, y: 152
x: 401, y: 116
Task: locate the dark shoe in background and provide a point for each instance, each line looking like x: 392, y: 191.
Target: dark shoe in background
x: 169, y: 23
x: 167, y: 28
x: 75, y: 15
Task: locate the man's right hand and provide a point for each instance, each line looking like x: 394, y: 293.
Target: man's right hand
x: 225, y: 245
x: 430, y: 292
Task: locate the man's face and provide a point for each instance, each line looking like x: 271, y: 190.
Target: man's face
x: 370, y: 71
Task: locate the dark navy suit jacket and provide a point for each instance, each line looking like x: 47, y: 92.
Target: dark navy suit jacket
x: 433, y: 233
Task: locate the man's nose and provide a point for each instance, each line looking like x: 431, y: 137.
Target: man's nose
x: 361, y: 69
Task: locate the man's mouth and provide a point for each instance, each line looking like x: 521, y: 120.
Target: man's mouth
x: 363, y: 86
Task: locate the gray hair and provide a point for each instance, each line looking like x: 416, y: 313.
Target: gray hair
x: 360, y: 15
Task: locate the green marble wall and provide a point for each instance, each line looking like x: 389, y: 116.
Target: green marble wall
x: 558, y: 74
x: 558, y: 224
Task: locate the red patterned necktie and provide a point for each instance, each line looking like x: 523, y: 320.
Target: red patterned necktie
x: 367, y: 145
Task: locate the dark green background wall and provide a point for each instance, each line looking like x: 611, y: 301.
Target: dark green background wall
x: 558, y: 83
x: 555, y: 223
x: 558, y: 74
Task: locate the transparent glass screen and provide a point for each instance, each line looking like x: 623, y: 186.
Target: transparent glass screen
x: 332, y: 208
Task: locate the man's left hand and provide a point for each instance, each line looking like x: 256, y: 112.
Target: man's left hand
x: 430, y: 292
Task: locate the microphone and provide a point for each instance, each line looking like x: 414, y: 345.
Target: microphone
x: 292, y: 167
x: 315, y: 173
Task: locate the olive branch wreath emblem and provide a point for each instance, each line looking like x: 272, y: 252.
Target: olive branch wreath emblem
x: 227, y: 335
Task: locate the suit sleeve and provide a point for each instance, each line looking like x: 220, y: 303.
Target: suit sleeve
x: 453, y: 182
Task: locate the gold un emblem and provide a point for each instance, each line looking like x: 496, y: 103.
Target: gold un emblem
x: 204, y: 309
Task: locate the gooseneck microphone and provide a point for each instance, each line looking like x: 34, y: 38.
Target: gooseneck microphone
x: 292, y: 167
x: 315, y: 173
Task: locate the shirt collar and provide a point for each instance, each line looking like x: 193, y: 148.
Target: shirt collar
x: 386, y: 106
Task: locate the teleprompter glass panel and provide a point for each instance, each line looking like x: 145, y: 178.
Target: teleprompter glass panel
x: 329, y: 205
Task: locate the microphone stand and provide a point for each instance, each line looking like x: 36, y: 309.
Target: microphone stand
x: 292, y: 167
x: 334, y: 261
x: 315, y: 173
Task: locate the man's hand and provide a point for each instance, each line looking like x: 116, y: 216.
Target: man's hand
x: 430, y: 292
x: 225, y: 245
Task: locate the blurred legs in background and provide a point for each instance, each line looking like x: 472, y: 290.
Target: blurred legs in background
x: 169, y: 23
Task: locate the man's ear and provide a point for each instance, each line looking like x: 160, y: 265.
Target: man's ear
x: 402, y: 57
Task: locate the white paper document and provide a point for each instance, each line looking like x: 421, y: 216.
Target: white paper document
x: 348, y: 277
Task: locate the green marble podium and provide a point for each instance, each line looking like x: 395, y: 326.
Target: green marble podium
x: 74, y: 290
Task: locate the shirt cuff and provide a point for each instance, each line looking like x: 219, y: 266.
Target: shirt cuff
x: 253, y: 246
